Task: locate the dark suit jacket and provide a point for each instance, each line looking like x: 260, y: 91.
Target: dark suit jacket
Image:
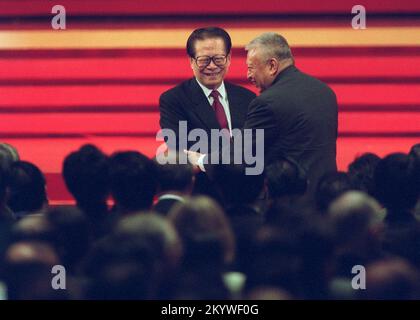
x: 299, y: 116
x: 187, y: 102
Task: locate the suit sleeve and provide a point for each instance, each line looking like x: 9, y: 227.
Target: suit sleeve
x: 260, y: 116
x: 170, y: 116
x: 263, y: 126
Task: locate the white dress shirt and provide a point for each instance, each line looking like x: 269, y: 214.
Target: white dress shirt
x: 222, y: 98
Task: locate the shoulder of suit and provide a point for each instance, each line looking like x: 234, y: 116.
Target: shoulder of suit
x: 265, y: 101
x: 230, y: 86
x: 176, y: 90
x: 260, y: 101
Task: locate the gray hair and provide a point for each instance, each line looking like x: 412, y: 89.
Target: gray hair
x: 8, y: 155
x: 272, y: 45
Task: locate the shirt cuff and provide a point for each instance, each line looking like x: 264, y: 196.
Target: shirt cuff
x: 200, y: 163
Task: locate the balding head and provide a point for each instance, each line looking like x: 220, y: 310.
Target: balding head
x: 31, y: 252
x: 391, y: 279
x: 147, y: 227
x: 356, y: 203
x: 357, y: 219
x: 27, y: 271
x: 33, y: 227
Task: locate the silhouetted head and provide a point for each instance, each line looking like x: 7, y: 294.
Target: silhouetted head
x: 27, y: 191
x: 133, y: 181
x: 361, y: 172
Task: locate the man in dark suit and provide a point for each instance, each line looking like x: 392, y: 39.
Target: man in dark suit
x: 209, y: 51
x: 297, y: 112
x: 206, y: 101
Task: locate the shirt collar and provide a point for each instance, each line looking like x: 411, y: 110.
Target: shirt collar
x: 207, y: 91
x: 169, y: 196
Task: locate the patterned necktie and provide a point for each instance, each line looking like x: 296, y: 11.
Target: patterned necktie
x: 219, y: 110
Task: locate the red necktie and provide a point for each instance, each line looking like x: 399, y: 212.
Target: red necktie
x: 219, y: 110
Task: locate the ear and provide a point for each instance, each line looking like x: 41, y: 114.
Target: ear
x: 192, y: 63
x: 274, y: 66
x: 228, y: 59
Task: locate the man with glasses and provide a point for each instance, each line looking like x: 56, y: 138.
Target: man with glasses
x: 205, y: 101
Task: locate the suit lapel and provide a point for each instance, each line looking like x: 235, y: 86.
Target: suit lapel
x: 202, y: 107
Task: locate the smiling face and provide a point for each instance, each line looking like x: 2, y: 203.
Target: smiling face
x: 259, y: 72
x: 212, y: 75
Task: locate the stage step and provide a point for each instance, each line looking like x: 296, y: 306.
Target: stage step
x: 145, y: 97
x: 181, y: 8
x: 174, y: 66
x: 146, y: 124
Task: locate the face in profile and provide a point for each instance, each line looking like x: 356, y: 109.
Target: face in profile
x: 258, y: 70
x: 211, y: 62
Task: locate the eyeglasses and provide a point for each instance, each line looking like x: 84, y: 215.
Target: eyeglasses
x: 204, y: 61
